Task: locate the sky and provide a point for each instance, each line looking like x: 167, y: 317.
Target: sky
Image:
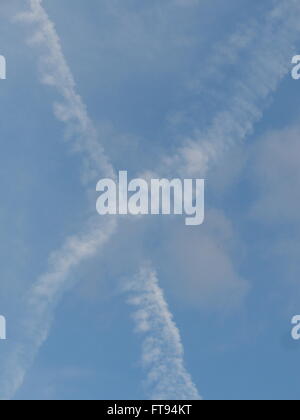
x: 146, y: 307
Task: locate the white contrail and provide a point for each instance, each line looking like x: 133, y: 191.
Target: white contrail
x: 267, y: 65
x: 42, y: 300
x: 163, y: 353
x: 45, y: 294
x: 267, y: 62
x: 71, y: 111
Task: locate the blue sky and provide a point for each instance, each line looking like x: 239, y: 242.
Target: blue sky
x: 207, y: 85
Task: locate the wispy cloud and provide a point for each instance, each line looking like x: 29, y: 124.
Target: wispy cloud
x: 163, y: 353
x: 264, y: 68
x: 46, y: 292
x: 42, y: 299
x: 55, y: 72
x: 267, y: 62
x: 267, y: 50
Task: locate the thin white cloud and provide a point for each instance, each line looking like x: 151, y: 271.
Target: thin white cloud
x: 269, y: 50
x: 46, y: 292
x: 163, y: 353
x: 265, y: 65
x: 43, y: 298
x: 71, y: 110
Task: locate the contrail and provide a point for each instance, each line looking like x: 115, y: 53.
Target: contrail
x: 266, y: 64
x: 42, y: 300
x: 46, y: 292
x: 43, y: 297
x: 71, y: 111
x: 163, y: 351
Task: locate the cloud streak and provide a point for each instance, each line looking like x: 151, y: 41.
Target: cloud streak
x: 267, y: 62
x: 71, y: 110
x: 266, y: 66
x: 45, y: 294
x: 163, y: 353
x: 43, y: 298
x: 49, y: 288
